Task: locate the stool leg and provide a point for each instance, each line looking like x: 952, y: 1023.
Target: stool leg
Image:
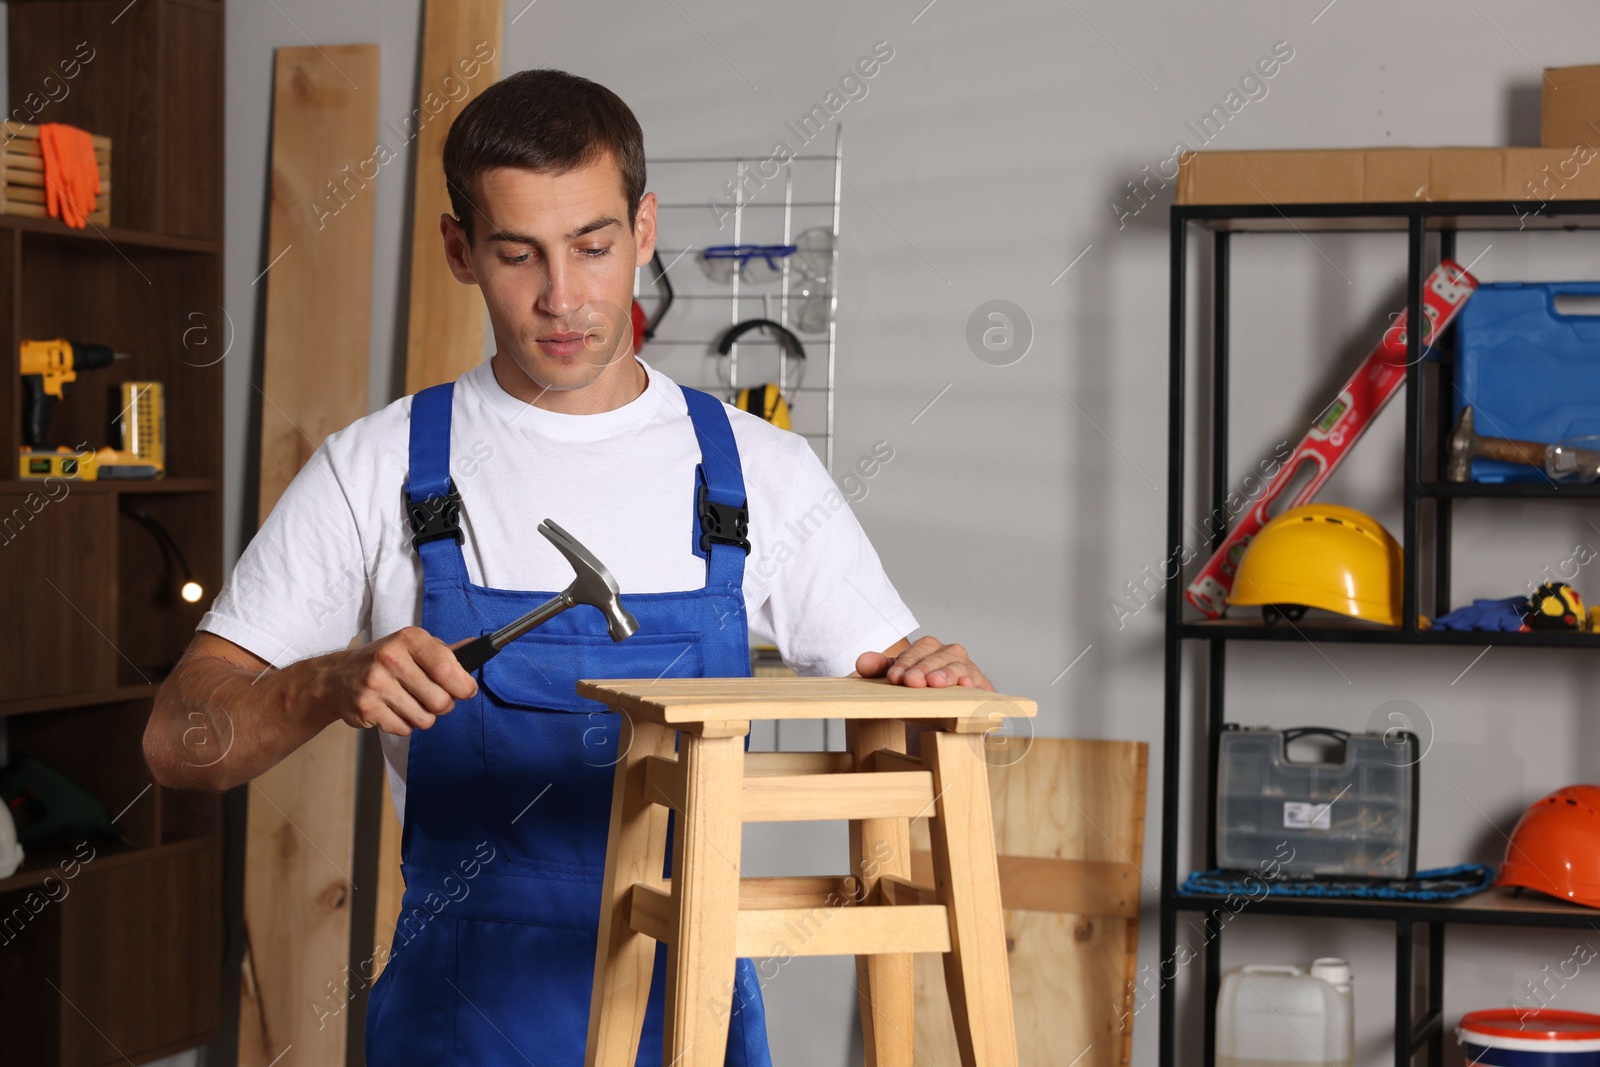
x: 879, y: 847
x: 968, y: 879
x: 636, y: 852
x: 705, y: 896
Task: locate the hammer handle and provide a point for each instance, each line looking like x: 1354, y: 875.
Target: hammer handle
x: 476, y: 653
x: 481, y: 650
x: 1530, y: 452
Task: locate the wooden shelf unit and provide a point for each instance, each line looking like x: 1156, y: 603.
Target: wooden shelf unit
x: 116, y: 958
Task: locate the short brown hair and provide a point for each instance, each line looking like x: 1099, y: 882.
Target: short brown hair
x: 544, y: 120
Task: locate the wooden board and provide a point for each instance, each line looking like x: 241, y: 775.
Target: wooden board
x: 446, y: 329
x: 1072, y: 975
x: 317, y: 265
x: 319, y: 292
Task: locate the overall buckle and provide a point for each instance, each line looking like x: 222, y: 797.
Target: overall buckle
x: 434, y: 518
x: 721, y: 524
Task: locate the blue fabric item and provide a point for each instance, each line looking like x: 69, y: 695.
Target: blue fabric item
x: 1504, y: 615
x: 1440, y: 883
x: 508, y: 801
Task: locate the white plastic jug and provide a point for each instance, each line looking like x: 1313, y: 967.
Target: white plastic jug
x: 1270, y: 1016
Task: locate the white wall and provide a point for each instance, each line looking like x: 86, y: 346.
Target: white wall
x: 985, y: 157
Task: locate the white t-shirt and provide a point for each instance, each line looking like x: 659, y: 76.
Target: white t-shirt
x: 334, y: 558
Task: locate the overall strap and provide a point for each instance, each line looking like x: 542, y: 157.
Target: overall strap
x: 433, y: 507
x: 722, y: 519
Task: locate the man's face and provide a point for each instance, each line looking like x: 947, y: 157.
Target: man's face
x: 554, y: 256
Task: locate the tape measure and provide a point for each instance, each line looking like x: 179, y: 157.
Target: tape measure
x: 1556, y: 606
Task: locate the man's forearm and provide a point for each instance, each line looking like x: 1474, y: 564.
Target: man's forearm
x: 216, y: 725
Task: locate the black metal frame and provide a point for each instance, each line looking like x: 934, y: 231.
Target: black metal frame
x: 1417, y: 220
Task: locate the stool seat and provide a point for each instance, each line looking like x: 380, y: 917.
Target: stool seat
x: 686, y: 755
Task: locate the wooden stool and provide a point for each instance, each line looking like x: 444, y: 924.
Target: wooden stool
x: 709, y: 916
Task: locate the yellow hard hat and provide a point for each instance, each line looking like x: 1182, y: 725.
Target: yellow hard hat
x: 767, y: 402
x: 1322, y: 556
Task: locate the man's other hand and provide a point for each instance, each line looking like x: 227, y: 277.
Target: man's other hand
x: 928, y: 662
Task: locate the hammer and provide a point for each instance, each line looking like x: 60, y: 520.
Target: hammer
x: 1557, y: 460
x: 593, y: 585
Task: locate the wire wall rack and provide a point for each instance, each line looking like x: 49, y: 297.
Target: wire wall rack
x: 714, y: 200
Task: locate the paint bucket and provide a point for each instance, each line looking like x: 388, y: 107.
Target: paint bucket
x: 1508, y: 1037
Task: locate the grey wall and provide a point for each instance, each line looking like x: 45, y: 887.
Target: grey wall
x: 984, y: 159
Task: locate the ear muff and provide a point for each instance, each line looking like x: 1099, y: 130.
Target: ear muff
x: 765, y: 401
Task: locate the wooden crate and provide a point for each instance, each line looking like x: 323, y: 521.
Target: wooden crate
x: 22, y: 189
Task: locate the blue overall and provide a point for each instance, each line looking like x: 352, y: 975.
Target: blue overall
x: 508, y: 797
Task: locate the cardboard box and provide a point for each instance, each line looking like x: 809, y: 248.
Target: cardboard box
x: 1389, y: 175
x: 1392, y: 174
x: 1304, y: 176
x: 1569, y: 107
x: 1571, y: 173
x: 1466, y: 174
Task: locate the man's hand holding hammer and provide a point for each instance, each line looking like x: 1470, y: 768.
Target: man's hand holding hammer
x: 225, y: 716
x: 398, y: 683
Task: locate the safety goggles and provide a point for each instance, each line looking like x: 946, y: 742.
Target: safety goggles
x: 754, y: 264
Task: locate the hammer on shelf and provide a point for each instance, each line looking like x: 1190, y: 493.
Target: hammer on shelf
x: 593, y: 585
x: 1558, y: 460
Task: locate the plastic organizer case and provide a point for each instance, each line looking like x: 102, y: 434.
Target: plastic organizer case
x: 1355, y: 818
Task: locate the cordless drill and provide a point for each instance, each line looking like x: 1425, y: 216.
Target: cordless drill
x: 46, y: 367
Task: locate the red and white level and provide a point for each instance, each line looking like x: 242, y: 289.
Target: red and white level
x: 1339, y: 427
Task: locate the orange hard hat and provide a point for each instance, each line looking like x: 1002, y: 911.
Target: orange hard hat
x: 1556, y: 846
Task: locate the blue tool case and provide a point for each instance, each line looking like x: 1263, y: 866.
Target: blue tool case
x: 1528, y: 361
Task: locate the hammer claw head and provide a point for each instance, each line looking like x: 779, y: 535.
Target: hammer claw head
x: 581, y: 558
x: 592, y: 584
x: 1462, y: 447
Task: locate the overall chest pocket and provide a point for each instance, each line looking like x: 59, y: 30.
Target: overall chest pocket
x: 549, y: 755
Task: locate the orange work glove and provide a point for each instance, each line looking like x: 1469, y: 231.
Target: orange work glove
x: 71, y: 173
x: 52, y: 170
x: 55, y: 148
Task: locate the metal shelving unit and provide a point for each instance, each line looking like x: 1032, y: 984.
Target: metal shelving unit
x: 1426, y: 383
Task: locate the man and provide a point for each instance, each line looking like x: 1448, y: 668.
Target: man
x: 503, y: 781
